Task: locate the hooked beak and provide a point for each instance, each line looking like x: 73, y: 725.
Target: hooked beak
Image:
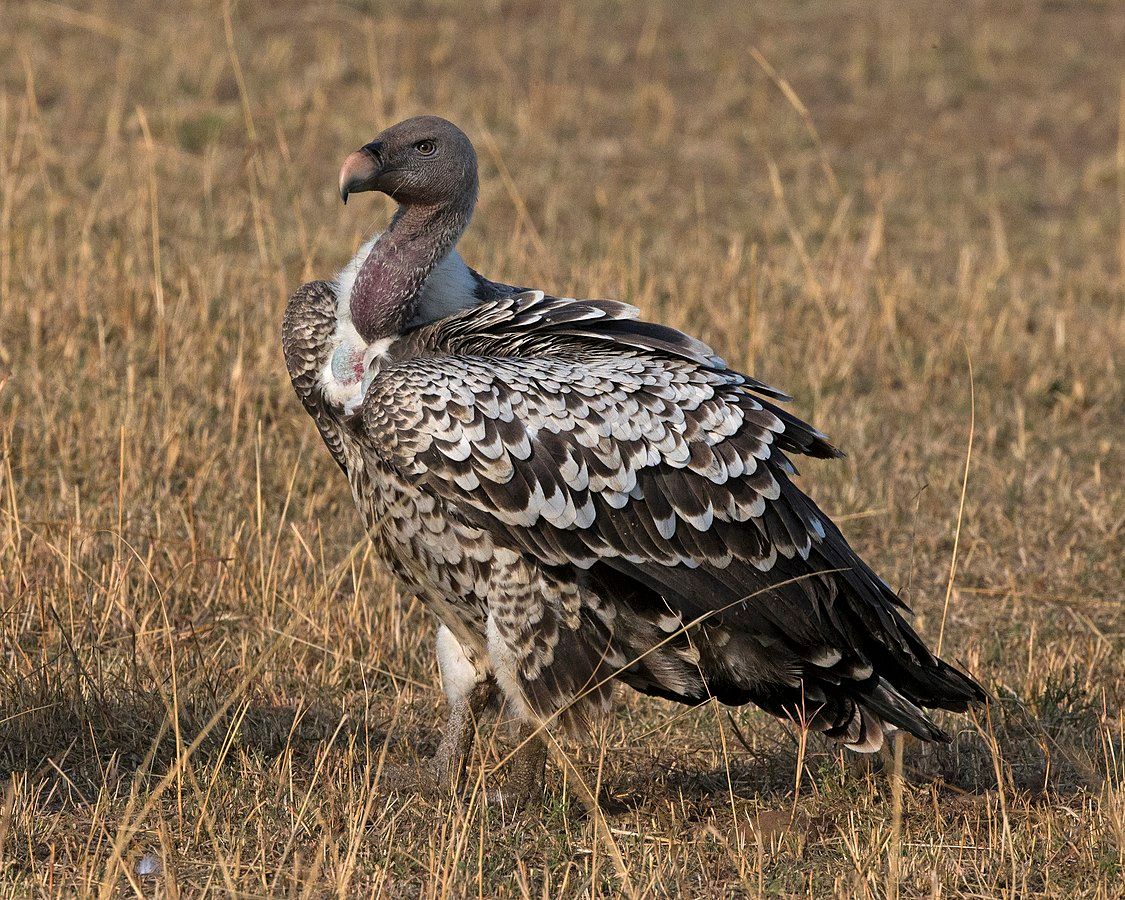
x: 361, y: 171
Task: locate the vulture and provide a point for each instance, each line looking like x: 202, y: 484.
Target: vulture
x: 581, y: 497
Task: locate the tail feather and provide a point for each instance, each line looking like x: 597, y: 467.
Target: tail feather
x: 893, y: 709
x: 865, y: 734
x: 860, y: 714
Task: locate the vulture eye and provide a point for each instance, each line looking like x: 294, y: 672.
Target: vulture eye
x: 426, y: 148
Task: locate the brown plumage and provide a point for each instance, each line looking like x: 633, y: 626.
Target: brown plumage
x: 582, y: 497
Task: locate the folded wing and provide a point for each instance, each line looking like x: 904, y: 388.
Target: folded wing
x: 592, y: 441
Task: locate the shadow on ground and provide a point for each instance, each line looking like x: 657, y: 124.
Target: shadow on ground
x: 77, y: 747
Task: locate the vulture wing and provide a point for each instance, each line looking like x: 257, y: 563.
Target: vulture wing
x: 310, y: 319
x: 588, y: 439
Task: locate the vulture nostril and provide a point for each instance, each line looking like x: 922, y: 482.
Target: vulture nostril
x: 375, y: 148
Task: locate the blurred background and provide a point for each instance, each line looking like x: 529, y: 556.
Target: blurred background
x: 859, y: 202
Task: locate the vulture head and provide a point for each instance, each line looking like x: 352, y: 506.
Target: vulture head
x: 424, y: 161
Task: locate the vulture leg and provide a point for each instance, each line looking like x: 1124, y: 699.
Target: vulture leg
x: 470, y: 692
x: 460, y: 732
x: 526, y: 769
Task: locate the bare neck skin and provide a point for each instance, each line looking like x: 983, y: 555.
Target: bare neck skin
x: 386, y: 287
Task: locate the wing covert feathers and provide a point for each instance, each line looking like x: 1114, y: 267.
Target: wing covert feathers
x: 627, y: 460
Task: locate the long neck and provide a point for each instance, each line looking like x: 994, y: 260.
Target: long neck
x: 384, y: 296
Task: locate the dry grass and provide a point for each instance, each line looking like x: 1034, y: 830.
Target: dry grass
x: 202, y: 664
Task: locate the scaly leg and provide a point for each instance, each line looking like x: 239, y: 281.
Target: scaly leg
x: 460, y: 732
x: 470, y: 691
x: 526, y: 769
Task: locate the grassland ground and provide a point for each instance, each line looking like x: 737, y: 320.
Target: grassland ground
x: 909, y: 215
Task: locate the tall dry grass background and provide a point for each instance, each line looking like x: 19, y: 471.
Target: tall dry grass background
x: 204, y: 675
